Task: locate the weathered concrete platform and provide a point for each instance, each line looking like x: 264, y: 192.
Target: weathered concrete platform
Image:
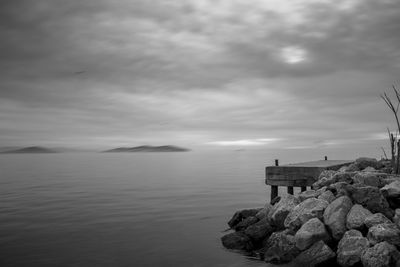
x: 299, y: 174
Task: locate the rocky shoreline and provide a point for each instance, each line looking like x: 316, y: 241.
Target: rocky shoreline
x: 351, y: 217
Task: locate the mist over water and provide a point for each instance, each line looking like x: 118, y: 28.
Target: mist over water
x: 133, y: 209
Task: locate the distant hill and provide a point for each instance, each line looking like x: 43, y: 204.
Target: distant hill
x: 149, y: 149
x: 31, y: 149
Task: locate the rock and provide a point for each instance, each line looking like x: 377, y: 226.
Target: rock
x: 335, y: 216
x: 275, y: 200
x: 327, y: 174
x: 364, y: 162
x: 339, y: 188
x: 388, y: 232
x: 317, y: 255
x: 327, y: 196
x: 245, y: 223
x: 308, y: 209
x: 396, y: 218
x: 370, y: 178
x: 369, y: 169
x: 308, y: 194
x: 263, y: 213
x: 381, y: 255
x: 391, y: 190
x: 241, y: 215
x: 281, y: 209
x: 280, y: 248
x: 356, y: 217
x: 374, y: 219
x: 352, y: 168
x: 237, y: 240
x: 371, y: 198
x: 259, y: 231
x: 350, y: 248
x: 309, y: 233
x: 345, y: 177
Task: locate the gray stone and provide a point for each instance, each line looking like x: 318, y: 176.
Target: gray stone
x: 308, y: 209
x: 280, y: 248
x: 241, y: 215
x: 396, y: 218
x: 375, y: 219
x: 316, y: 255
x: 370, y: 178
x: 340, y: 188
x: 309, y: 233
x: 281, y: 209
x: 365, y: 162
x: 391, y: 190
x: 245, y: 223
x: 335, y: 216
x: 336, y: 178
x: 356, y: 217
x: 263, y: 213
x: 237, y: 240
x: 259, y: 231
x: 352, y: 168
x: 381, y: 255
x: 308, y: 194
x: 371, y: 198
x: 327, y: 196
x: 369, y: 169
x: 388, y: 232
x: 350, y: 248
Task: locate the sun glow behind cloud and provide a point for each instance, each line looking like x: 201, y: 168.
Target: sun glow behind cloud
x: 245, y: 142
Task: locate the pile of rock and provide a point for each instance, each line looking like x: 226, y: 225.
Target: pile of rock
x: 351, y: 217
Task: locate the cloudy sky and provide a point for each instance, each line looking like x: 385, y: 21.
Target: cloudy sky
x: 197, y: 73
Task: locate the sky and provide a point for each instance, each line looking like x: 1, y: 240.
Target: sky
x: 197, y: 73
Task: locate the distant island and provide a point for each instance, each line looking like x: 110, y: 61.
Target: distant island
x: 29, y: 150
x: 149, y: 149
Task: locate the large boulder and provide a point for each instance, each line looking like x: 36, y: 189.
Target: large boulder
x: 365, y: 162
x: 371, y: 198
x: 245, y: 223
x: 381, y: 255
x: 391, y: 190
x: 280, y: 247
x: 241, y: 215
x: 259, y: 231
x: 335, y: 216
x: 356, y: 217
x: 388, y: 232
x: 281, y: 209
x: 237, y: 240
x: 370, y: 178
x: 263, y: 213
x: 345, y: 177
x: 396, y: 218
x: 327, y: 196
x: 350, y: 248
x: 308, y: 209
x: 375, y: 219
x: 317, y: 255
x: 309, y: 194
x: 310, y: 232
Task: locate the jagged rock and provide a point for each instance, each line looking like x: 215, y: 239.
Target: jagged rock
x: 396, y: 218
x: 350, y: 248
x: 339, y: 188
x: 352, y: 168
x: 371, y: 198
x: 259, y: 231
x: 364, y: 162
x: 375, y: 219
x: 309, y: 233
x: 388, y: 232
x: 280, y: 248
x: 335, y: 216
x: 245, y: 223
x: 308, y: 209
x: 327, y: 196
x: 281, y: 209
x: 326, y: 174
x: 275, y: 200
x: 381, y: 255
x: 237, y: 240
x: 370, y: 178
x: 369, y: 169
x: 317, y: 255
x: 308, y: 194
x: 356, y: 217
x: 263, y: 213
x: 391, y: 190
x: 241, y: 215
x: 336, y: 178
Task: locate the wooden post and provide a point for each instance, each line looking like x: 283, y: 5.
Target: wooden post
x: 326, y: 158
x: 274, y: 188
x: 303, y: 188
x: 290, y: 190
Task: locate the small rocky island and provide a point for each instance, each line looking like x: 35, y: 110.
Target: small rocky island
x: 350, y: 217
x: 149, y: 149
x: 29, y: 150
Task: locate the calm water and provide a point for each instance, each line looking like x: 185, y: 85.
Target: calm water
x: 143, y: 209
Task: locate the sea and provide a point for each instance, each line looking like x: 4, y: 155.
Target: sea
x: 130, y: 209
